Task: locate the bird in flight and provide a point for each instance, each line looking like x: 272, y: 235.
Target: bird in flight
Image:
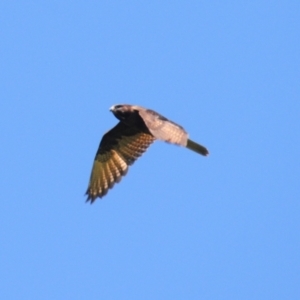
x: 127, y: 141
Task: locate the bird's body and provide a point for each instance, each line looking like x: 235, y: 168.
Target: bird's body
x: 128, y: 140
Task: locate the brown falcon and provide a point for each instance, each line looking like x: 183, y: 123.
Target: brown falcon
x: 128, y: 140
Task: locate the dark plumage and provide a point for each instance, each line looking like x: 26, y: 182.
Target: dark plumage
x: 128, y: 140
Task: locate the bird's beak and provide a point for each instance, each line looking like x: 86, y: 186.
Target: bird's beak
x: 112, y: 108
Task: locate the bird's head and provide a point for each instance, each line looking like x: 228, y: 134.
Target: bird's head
x: 124, y: 112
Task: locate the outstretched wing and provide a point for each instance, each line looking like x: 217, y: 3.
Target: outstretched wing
x: 168, y: 131
x: 118, y: 149
x: 162, y: 128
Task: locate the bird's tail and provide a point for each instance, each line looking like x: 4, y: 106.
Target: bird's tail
x: 197, y: 148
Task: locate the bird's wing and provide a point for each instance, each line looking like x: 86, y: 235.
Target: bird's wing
x: 118, y: 149
x: 168, y: 131
x: 162, y: 128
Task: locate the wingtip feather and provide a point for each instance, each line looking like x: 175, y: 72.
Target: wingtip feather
x: 197, y: 148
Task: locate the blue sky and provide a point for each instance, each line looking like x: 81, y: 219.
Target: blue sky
x: 178, y: 226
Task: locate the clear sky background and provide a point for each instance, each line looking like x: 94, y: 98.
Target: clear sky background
x: 178, y: 226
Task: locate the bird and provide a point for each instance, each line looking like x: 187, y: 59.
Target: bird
x: 137, y: 129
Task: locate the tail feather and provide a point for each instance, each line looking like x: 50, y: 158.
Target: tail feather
x: 197, y: 148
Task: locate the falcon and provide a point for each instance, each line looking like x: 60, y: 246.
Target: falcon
x: 119, y: 148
